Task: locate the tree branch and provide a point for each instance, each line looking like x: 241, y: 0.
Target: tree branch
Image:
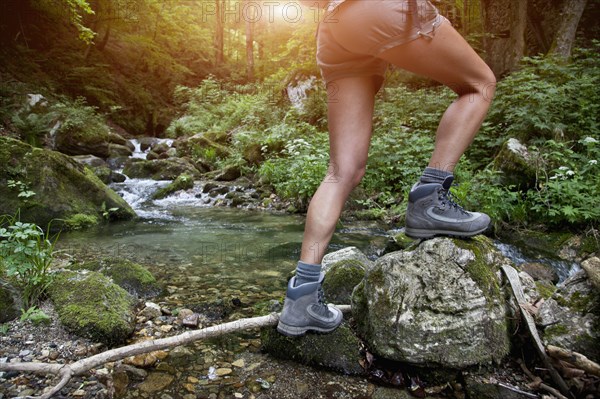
x: 81, y: 366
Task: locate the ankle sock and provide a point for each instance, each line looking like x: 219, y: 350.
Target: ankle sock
x: 433, y: 175
x: 307, y: 273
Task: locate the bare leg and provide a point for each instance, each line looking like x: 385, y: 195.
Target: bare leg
x: 449, y: 59
x: 350, y: 113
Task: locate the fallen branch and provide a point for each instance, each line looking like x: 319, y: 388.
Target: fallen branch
x: 515, y: 283
x: 67, y: 371
x: 576, y: 359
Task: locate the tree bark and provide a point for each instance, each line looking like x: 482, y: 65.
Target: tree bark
x: 504, y: 23
x: 565, y: 35
x: 249, y: 20
x: 219, y: 8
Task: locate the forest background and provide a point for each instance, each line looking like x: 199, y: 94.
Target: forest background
x: 175, y: 68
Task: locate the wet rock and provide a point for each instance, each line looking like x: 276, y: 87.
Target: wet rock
x: 120, y: 383
x: 90, y: 160
x: 438, y: 305
x: 159, y: 169
x: 90, y: 305
x: 133, y: 277
x: 540, y: 271
x: 347, y: 253
x: 150, y: 311
x: 181, y: 356
x: 156, y: 382
x: 144, y: 360
x: 391, y: 393
x: 182, y: 182
x: 341, y: 279
x: 117, y: 177
x: 147, y: 142
x: 592, y: 269
x: 63, y: 187
x: 10, y: 302
x: 480, y: 387
x: 228, y: 173
x: 133, y: 373
x: 192, y: 320
x: 399, y: 241
x: 516, y: 163
x: 571, y: 317
x: 160, y: 148
x: 103, y: 173
x: 118, y: 150
x: 338, y: 350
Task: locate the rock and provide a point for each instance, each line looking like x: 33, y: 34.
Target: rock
x: 438, y: 305
x: 391, y: 393
x: 134, y: 373
x: 62, y: 186
x: 540, y: 271
x: 120, y: 383
x: 180, y: 356
x: 117, y: 150
x: 142, y: 360
x: 338, y: 350
x: 147, y: 142
x: 239, y: 363
x: 103, y: 173
x: 192, y: 320
x: 132, y: 277
x: 151, y: 155
x: 570, y: 318
x: 516, y: 164
x: 228, y: 173
x: 400, y: 241
x: 92, y: 306
x: 10, y: 302
x: 156, y: 382
x: 341, y: 279
x: 90, y: 160
x: 116, y: 138
x: 150, y: 311
x: 94, y: 139
x: 159, y: 169
x: 117, y: 177
x: 592, y: 269
x: 183, y: 182
x: 480, y: 387
x: 224, y: 371
x: 345, y: 254
x: 199, y: 145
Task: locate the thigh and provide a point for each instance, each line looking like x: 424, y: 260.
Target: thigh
x: 350, y: 115
x: 445, y: 57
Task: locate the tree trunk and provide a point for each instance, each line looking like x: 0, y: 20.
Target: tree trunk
x: 504, y: 23
x: 249, y: 20
x: 565, y: 35
x: 219, y: 8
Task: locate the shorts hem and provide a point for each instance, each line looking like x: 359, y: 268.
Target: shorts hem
x: 415, y: 34
x: 351, y: 74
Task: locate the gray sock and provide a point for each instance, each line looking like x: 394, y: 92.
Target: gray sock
x: 433, y: 175
x: 307, y: 273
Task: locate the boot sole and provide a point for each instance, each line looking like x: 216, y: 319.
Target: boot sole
x: 294, y: 331
x: 425, y: 233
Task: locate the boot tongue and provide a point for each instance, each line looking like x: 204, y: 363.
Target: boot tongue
x: 448, y: 182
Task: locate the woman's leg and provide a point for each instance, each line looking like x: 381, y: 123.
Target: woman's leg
x: 448, y: 58
x: 350, y: 114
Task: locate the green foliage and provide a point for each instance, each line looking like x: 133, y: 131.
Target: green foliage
x: 80, y: 221
x: 35, y: 315
x: 80, y: 120
x: 22, y: 188
x: 4, y: 328
x: 26, y: 253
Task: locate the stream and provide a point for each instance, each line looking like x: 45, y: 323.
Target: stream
x: 220, y: 260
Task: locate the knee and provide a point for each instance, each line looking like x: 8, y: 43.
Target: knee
x: 349, y: 175
x: 482, y: 87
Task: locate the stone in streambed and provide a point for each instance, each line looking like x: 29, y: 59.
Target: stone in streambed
x: 437, y: 305
x: 338, y: 350
x: 92, y: 306
x: 182, y: 182
x: 10, y: 302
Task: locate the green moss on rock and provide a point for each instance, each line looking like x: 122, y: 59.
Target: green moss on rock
x: 10, y: 302
x: 132, y: 277
x: 159, y: 169
x: 341, y: 279
x: 92, y: 306
x: 339, y: 350
x: 183, y: 182
x: 80, y: 221
x: 63, y: 187
x: 481, y: 270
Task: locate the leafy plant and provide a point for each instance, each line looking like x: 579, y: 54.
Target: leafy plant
x: 4, y: 328
x: 35, y: 315
x: 22, y: 188
x: 106, y: 212
x: 26, y: 253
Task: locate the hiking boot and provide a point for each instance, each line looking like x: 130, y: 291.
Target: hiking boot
x: 304, y: 309
x: 431, y: 211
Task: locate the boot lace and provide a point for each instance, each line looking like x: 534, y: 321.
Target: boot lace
x: 446, y: 199
x: 321, y: 307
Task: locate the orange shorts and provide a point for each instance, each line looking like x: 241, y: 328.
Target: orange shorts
x: 352, y: 36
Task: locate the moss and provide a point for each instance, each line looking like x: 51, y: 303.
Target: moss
x: 577, y: 302
x: 338, y: 350
x: 80, y: 221
x: 590, y: 244
x: 134, y: 278
x: 90, y: 305
x: 159, y: 169
x: 483, y: 273
x: 9, y: 302
x: 545, y: 289
x: 182, y: 182
x: 555, y: 330
x: 341, y: 279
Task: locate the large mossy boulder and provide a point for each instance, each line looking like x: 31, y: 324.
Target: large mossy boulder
x: 338, y: 350
x: 438, y: 305
x: 159, y: 169
x: 132, y: 277
x: 92, y: 306
x: 341, y: 279
x: 62, y: 186
x: 348, y: 253
x: 571, y: 318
